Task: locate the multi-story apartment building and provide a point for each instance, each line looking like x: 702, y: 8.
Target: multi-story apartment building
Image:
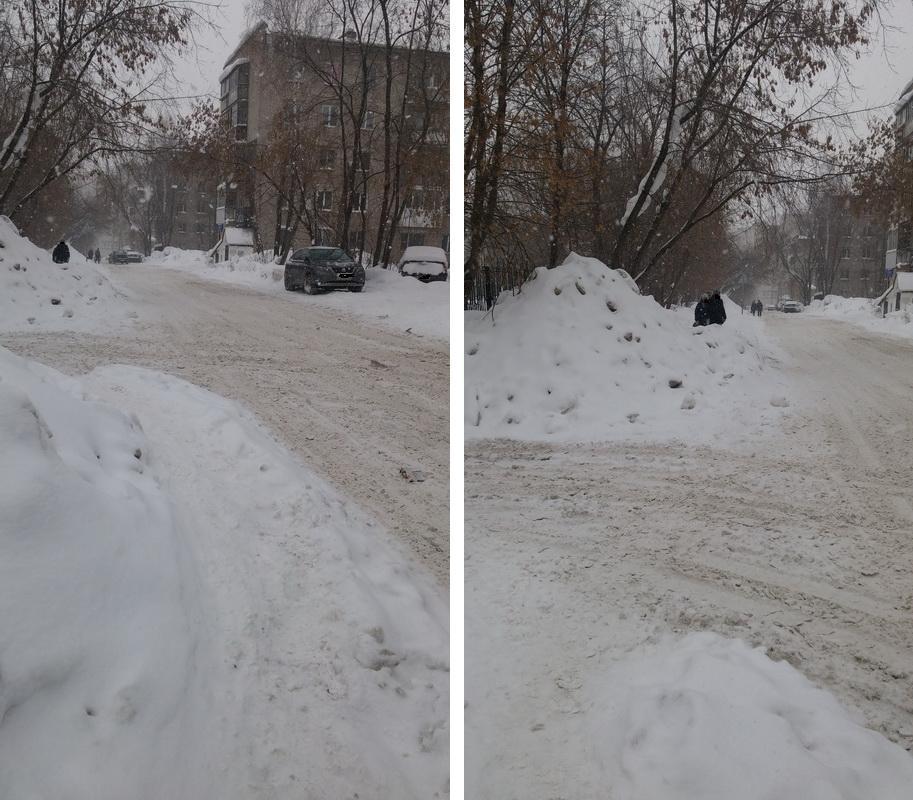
x: 861, y: 253
x: 899, y: 250
x: 339, y: 142
x: 193, y: 221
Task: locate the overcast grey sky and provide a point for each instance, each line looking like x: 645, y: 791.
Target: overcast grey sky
x: 198, y: 71
x: 879, y: 75
x: 888, y: 67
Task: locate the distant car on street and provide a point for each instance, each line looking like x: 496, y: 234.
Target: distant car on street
x: 791, y: 307
x: 425, y: 263
x: 323, y: 269
x: 125, y: 257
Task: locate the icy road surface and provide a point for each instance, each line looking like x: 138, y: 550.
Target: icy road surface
x: 355, y: 401
x: 799, y: 542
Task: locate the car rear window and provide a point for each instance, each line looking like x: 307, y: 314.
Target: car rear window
x: 329, y: 254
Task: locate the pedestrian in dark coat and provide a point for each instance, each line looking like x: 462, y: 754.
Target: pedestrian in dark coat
x: 61, y: 253
x: 97, y: 256
x: 760, y: 308
x: 716, y: 311
x: 701, y: 312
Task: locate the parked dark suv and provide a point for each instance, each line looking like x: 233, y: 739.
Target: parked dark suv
x: 318, y: 269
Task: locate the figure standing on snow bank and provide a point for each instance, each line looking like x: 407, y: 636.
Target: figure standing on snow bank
x: 702, y: 311
x: 716, y: 311
x: 61, y: 254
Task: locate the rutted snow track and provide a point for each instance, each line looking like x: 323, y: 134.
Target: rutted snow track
x: 355, y: 401
x: 801, y: 543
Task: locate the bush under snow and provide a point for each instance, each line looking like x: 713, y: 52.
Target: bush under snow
x: 37, y: 294
x: 708, y: 718
x: 579, y: 355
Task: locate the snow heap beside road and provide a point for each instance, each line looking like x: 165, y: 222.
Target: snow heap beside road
x: 190, y: 612
x: 102, y: 669
x: 863, y: 312
x: 37, y: 294
x: 708, y: 718
x: 579, y: 355
x: 395, y: 301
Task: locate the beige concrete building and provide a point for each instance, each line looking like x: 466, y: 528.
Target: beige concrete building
x: 899, y: 251
x: 319, y: 152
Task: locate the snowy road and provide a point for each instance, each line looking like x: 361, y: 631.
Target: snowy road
x: 355, y: 401
x: 799, y: 541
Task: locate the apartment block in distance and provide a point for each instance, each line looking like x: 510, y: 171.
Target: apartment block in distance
x: 340, y: 142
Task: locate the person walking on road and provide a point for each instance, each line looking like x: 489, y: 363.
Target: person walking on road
x: 61, y: 253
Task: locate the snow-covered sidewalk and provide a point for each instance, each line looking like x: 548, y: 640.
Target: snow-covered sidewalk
x: 390, y: 299
x: 862, y: 312
x: 187, y: 611
x: 38, y: 295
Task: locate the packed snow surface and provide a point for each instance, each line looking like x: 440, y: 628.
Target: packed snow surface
x: 396, y: 301
x: 579, y: 355
x: 186, y: 611
x: 709, y: 718
x: 37, y: 294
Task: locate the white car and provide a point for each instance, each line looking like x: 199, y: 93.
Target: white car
x: 425, y: 263
x: 791, y: 307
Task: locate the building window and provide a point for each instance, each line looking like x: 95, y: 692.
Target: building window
x: 182, y: 227
x: 360, y: 201
x: 324, y: 200
x: 327, y: 158
x: 411, y: 239
x: 845, y: 249
x: 201, y: 204
x: 330, y: 116
x: 356, y: 241
x: 416, y: 199
x: 181, y: 204
x: 868, y: 249
x: 364, y: 161
x: 368, y: 122
x: 199, y: 227
x: 234, y: 97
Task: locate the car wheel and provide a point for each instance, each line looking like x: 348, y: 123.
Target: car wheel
x: 309, y: 287
x: 356, y: 288
x: 289, y: 286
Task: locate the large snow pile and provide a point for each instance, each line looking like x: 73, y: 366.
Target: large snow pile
x: 863, y: 312
x: 835, y: 305
x: 395, y: 301
x: 37, y: 294
x: 708, y: 718
x: 101, y: 669
x: 190, y: 612
x: 176, y: 257
x: 579, y: 355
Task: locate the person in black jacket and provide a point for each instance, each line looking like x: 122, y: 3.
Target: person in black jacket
x: 716, y: 311
x: 61, y: 254
x: 702, y: 311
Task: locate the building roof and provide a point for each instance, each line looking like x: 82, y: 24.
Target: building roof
x: 230, y: 66
x: 905, y: 97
